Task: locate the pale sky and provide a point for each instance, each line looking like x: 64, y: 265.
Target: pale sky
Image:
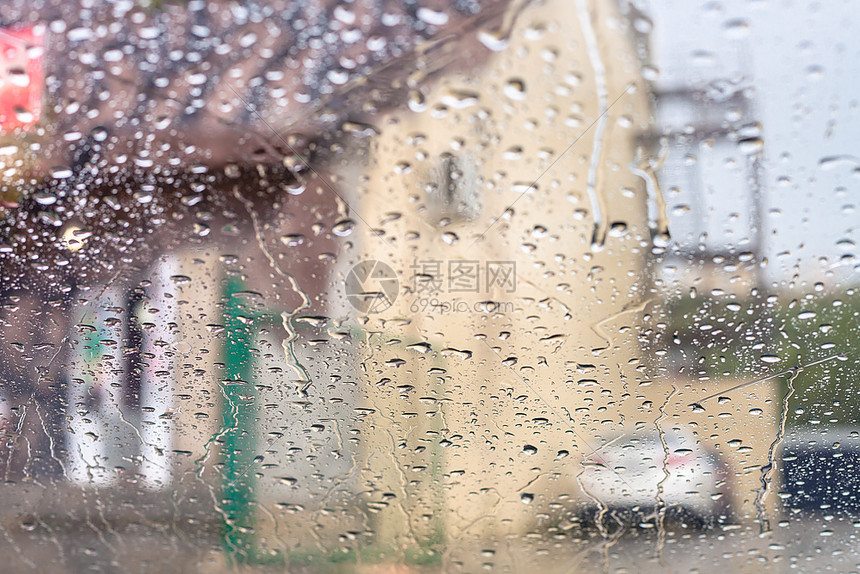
x: 802, y: 59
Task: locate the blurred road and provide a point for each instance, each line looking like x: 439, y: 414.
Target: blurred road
x: 143, y: 540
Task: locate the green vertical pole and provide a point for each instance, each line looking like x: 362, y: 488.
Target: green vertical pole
x: 238, y: 429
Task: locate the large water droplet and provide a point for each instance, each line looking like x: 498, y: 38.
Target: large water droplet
x: 343, y: 228
x: 515, y: 89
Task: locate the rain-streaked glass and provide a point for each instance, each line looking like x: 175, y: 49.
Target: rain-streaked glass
x: 429, y: 286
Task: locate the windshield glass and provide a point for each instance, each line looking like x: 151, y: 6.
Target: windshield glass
x: 429, y: 286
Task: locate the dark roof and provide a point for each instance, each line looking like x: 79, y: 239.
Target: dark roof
x: 191, y: 95
x: 210, y: 81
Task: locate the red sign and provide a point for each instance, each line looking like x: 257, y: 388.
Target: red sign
x: 21, y: 76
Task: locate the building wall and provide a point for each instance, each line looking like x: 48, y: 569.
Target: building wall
x: 550, y: 365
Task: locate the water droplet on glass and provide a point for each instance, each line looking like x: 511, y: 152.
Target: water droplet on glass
x: 359, y: 129
x: 24, y: 116
x: 450, y: 238
x: 515, y: 89
x: 43, y: 198
x: 343, y: 228
x: 422, y: 348
x: 433, y: 17
x: 459, y: 99
x: 416, y: 101
x: 514, y: 152
x: 293, y: 240
x: 61, y: 172
x: 750, y: 146
x: 736, y: 29
x: 493, y: 40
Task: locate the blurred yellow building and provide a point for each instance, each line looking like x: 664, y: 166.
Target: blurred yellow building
x: 504, y: 202
x: 494, y: 392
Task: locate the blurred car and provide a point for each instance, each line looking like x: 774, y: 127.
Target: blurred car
x: 627, y: 479
x: 821, y: 471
